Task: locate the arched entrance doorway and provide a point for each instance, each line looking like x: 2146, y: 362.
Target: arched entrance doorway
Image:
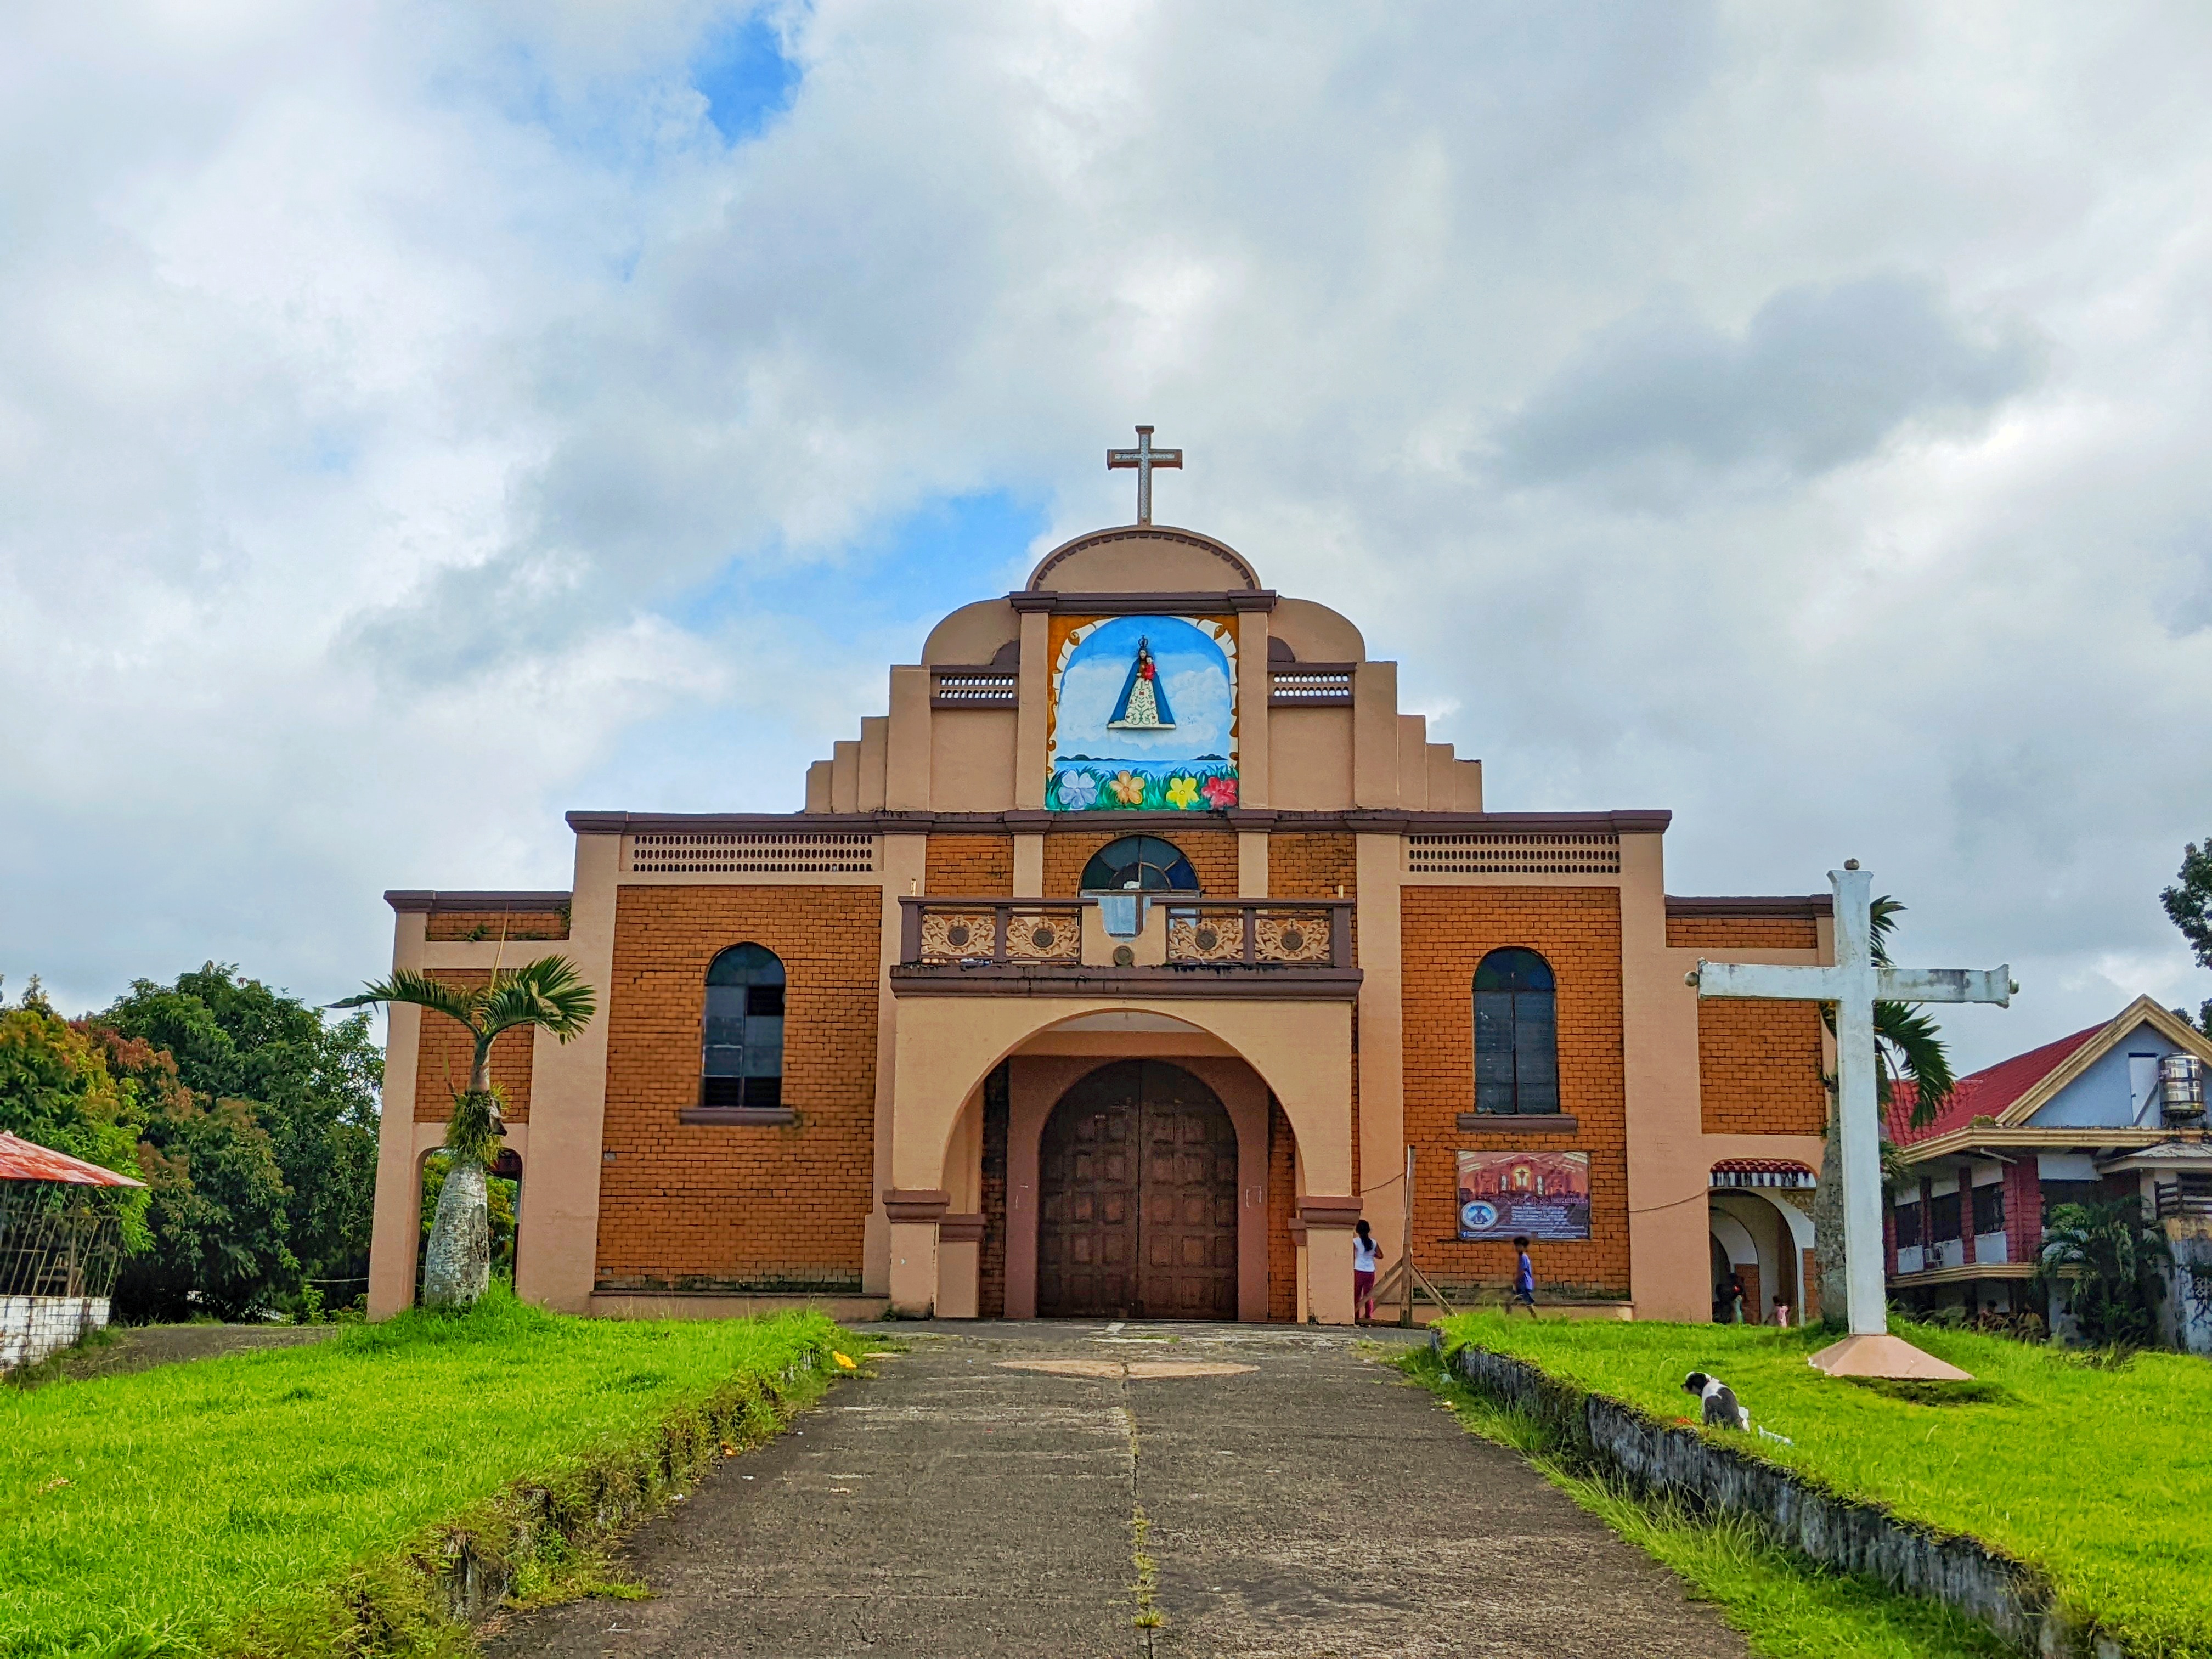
x: 1137, y: 1197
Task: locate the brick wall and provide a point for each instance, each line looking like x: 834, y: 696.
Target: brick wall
x: 442, y: 1058
x: 1742, y: 933
x: 1212, y: 852
x: 1315, y: 867
x: 969, y: 867
x: 1758, y: 1068
x: 1282, y: 1203
x: 1311, y: 866
x: 1446, y: 932
x: 730, y: 1207
x: 447, y: 925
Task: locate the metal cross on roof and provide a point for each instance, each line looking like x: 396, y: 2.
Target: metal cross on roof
x: 1855, y: 983
x: 1144, y: 458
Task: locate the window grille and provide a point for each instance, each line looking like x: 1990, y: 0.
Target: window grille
x: 1502, y: 852
x: 1312, y: 685
x: 975, y: 688
x: 752, y: 852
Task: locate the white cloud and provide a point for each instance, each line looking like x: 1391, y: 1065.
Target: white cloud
x: 1793, y: 419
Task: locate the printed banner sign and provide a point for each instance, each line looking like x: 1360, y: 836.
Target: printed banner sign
x: 1542, y: 1195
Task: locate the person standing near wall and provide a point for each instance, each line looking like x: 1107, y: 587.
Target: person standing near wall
x: 1365, y: 1253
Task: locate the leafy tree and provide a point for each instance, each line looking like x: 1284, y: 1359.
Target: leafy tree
x: 1908, y: 1047
x: 547, y: 993
x: 2189, y: 902
x: 310, y: 1086
x: 56, y: 1089
x: 2107, y: 1263
x: 219, y: 1201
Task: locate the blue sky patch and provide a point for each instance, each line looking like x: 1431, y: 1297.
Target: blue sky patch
x: 744, y: 76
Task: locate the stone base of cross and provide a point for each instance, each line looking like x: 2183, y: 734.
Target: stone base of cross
x: 1854, y: 984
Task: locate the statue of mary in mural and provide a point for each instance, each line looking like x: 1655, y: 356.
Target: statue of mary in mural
x: 1145, y: 717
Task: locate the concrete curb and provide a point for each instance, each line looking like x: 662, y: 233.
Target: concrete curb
x: 470, y: 1565
x: 1848, y: 1533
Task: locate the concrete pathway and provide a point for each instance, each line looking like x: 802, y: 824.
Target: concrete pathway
x: 985, y: 1495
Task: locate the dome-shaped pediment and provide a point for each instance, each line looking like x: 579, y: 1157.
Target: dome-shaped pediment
x: 1142, y: 558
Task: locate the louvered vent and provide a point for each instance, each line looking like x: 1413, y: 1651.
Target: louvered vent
x: 752, y: 853
x: 1507, y: 854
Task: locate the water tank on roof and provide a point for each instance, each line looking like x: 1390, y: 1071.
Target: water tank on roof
x: 2181, y: 1086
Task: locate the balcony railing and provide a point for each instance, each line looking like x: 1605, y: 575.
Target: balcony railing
x: 1315, y: 933
x: 1002, y: 931
x: 1236, y: 932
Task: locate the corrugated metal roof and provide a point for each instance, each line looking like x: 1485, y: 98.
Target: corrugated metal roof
x: 24, y: 1160
x: 1986, y: 1092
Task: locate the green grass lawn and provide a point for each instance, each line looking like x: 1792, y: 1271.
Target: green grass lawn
x: 1786, y: 1607
x: 177, y: 1502
x: 2102, y: 1478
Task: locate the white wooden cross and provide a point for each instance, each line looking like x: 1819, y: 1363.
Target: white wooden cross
x: 1855, y: 984
x: 1144, y: 458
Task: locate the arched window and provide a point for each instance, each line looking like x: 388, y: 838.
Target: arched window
x: 1142, y: 863
x: 1516, y: 1046
x: 742, y: 1064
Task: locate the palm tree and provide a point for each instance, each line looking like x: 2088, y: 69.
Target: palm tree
x: 2107, y: 1263
x: 1907, y: 1047
x: 548, y: 993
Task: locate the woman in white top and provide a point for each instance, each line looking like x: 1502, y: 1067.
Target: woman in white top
x: 1364, y: 1251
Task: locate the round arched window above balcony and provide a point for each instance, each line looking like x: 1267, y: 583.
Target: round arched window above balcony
x: 1141, y: 864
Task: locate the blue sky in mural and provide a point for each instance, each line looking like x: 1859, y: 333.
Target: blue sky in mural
x: 744, y: 76
x: 1192, y: 667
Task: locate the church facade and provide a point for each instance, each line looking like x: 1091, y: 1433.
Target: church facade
x: 1137, y: 951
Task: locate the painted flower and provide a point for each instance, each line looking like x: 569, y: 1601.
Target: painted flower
x: 1129, y: 789
x: 1078, y: 790
x: 1220, y: 793
x: 1182, y: 794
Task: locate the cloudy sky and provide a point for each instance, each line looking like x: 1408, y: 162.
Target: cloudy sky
x: 418, y: 420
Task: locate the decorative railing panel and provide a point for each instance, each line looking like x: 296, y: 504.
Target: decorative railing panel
x: 1258, y: 932
x: 1268, y: 933
x: 992, y: 930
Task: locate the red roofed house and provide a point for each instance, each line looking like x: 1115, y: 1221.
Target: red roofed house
x: 2088, y: 1116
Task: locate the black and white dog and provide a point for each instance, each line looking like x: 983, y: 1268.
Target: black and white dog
x: 1722, y: 1410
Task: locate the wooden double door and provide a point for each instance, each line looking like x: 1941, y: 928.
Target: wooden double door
x: 1137, y: 1197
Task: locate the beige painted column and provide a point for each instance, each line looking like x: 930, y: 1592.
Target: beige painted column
x: 1255, y: 684
x: 557, y: 1250
x: 902, y: 860
x: 1667, y: 1258
x: 913, y: 1214
x: 906, y: 755
x: 875, y: 747
x: 1383, y: 1042
x: 1252, y: 864
x: 1375, y: 734
x: 1028, y: 867
x: 1036, y: 690
x: 396, y: 1224
x: 960, y: 1229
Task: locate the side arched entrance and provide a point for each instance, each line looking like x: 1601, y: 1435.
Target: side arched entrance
x: 1137, y: 1197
